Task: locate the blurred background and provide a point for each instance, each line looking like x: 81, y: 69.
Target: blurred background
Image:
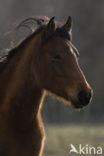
x: 63, y: 124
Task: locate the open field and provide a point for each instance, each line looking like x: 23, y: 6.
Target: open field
x: 59, y: 138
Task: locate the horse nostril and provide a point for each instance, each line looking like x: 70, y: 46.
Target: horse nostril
x: 84, y: 97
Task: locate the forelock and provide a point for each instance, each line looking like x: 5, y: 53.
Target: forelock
x: 63, y: 33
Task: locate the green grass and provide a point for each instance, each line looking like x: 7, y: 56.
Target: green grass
x: 59, y: 138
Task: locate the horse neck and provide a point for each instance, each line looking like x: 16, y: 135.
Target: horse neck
x: 19, y: 85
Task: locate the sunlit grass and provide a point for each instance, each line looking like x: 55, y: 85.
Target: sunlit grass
x: 59, y: 138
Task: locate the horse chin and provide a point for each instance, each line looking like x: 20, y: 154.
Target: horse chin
x: 75, y: 104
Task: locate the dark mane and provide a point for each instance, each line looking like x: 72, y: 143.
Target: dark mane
x: 40, y: 21
x: 4, y: 59
x: 24, y: 42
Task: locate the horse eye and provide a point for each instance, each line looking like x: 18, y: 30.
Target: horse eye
x: 55, y: 56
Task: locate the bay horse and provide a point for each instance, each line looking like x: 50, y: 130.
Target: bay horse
x: 44, y: 61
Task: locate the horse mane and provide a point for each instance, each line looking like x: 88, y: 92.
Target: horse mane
x: 25, y: 23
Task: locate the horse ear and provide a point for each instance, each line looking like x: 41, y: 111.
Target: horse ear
x: 51, y: 25
x: 68, y: 25
x: 50, y: 28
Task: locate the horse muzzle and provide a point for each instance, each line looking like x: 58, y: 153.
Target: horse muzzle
x: 83, y: 99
